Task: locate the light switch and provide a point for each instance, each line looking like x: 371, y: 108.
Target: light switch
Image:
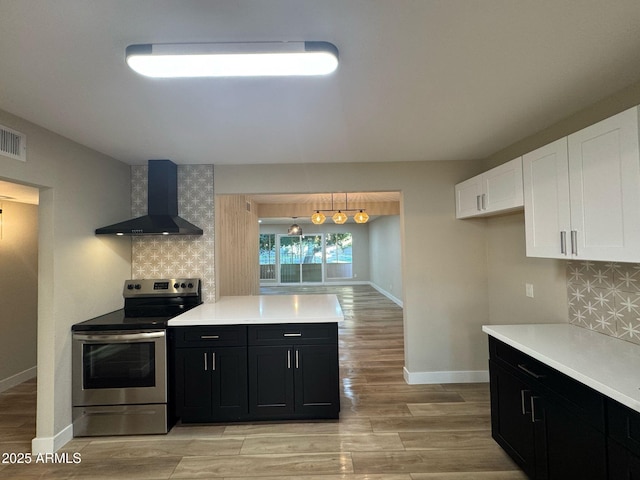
x: 529, y: 289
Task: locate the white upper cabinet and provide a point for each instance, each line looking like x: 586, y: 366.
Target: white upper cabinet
x: 582, y: 193
x: 495, y: 191
x: 547, y: 215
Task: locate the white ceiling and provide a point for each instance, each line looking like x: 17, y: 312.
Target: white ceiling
x: 418, y: 79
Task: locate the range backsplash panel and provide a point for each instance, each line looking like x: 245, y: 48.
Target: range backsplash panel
x: 160, y: 256
x: 605, y: 297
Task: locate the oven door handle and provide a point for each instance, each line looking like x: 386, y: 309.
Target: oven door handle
x: 120, y: 337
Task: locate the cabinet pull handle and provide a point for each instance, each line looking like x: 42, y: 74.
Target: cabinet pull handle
x: 297, y: 359
x: 288, y: 359
x: 523, y: 402
x: 205, y: 362
x: 484, y: 201
x: 292, y: 334
x: 213, y: 361
x: 526, y: 369
x: 574, y: 242
x: 478, y: 203
x: 209, y: 337
x: 533, y: 410
x: 563, y: 242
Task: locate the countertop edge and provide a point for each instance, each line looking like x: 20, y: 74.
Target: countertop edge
x: 263, y: 310
x: 582, y: 377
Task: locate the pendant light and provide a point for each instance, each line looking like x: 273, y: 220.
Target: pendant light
x: 339, y: 217
x: 361, y: 217
x: 318, y: 218
x: 294, y: 229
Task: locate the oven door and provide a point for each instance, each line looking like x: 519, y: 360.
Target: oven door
x: 119, y: 367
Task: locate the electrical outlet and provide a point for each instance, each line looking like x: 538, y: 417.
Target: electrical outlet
x: 529, y: 289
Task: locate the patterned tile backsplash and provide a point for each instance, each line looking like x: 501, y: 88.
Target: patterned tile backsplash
x: 605, y: 297
x: 161, y: 256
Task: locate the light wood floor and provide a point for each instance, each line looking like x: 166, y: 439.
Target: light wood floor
x: 388, y: 430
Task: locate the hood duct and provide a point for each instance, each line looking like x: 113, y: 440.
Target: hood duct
x: 162, y: 212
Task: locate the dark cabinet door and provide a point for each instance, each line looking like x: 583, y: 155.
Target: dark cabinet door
x: 229, y: 375
x: 566, y: 445
x: 211, y: 384
x: 194, y: 389
x: 316, y: 380
x: 511, y: 422
x: 623, y: 465
x: 271, y: 381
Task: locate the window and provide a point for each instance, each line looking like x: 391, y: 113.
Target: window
x: 339, y: 259
x: 314, y: 258
x: 268, y: 256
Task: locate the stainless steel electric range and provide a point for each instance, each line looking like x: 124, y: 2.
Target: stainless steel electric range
x: 120, y: 384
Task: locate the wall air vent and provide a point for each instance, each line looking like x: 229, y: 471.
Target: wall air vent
x: 13, y: 144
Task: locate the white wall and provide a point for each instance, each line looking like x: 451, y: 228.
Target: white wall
x: 509, y: 269
x: 385, y: 256
x: 80, y: 275
x: 444, y: 271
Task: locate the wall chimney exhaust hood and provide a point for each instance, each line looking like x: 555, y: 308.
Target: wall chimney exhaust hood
x: 162, y: 212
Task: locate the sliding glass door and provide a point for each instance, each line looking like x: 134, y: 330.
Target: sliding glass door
x: 300, y: 258
x: 315, y: 258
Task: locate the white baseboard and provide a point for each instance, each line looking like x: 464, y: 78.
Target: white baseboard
x: 421, y: 378
x: 52, y: 444
x: 395, y: 300
x: 17, y: 379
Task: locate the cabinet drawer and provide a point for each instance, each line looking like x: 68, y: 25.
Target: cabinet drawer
x: 222, y: 336
x: 584, y: 401
x: 293, y: 334
x: 624, y: 425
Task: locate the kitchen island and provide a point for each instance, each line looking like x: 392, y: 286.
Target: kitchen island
x: 565, y: 401
x: 262, y: 357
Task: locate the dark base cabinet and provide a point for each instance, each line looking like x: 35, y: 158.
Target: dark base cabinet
x: 210, y: 380
x: 293, y: 371
x: 511, y: 424
x: 213, y: 385
x: 623, y: 465
x: 624, y: 442
x: 287, y: 371
x: 293, y: 381
x: 552, y: 426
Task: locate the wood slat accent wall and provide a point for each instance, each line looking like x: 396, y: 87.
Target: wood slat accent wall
x: 237, y: 244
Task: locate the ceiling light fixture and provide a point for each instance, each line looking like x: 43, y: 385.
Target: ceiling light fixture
x: 339, y: 216
x: 233, y: 59
x: 294, y: 229
x: 361, y: 217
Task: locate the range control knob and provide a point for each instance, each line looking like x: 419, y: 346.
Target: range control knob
x: 176, y: 285
x: 183, y: 285
x: 190, y: 285
x: 130, y: 286
x: 138, y: 286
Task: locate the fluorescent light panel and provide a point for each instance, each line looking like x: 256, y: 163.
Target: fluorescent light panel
x: 233, y: 59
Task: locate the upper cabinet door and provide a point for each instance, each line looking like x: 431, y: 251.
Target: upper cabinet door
x: 546, y: 201
x: 469, y: 198
x: 604, y: 176
x: 495, y: 191
x: 502, y: 187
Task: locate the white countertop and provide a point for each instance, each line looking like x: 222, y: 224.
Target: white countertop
x: 606, y: 364
x: 263, y: 309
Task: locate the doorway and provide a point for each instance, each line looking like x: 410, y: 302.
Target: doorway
x: 18, y: 283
